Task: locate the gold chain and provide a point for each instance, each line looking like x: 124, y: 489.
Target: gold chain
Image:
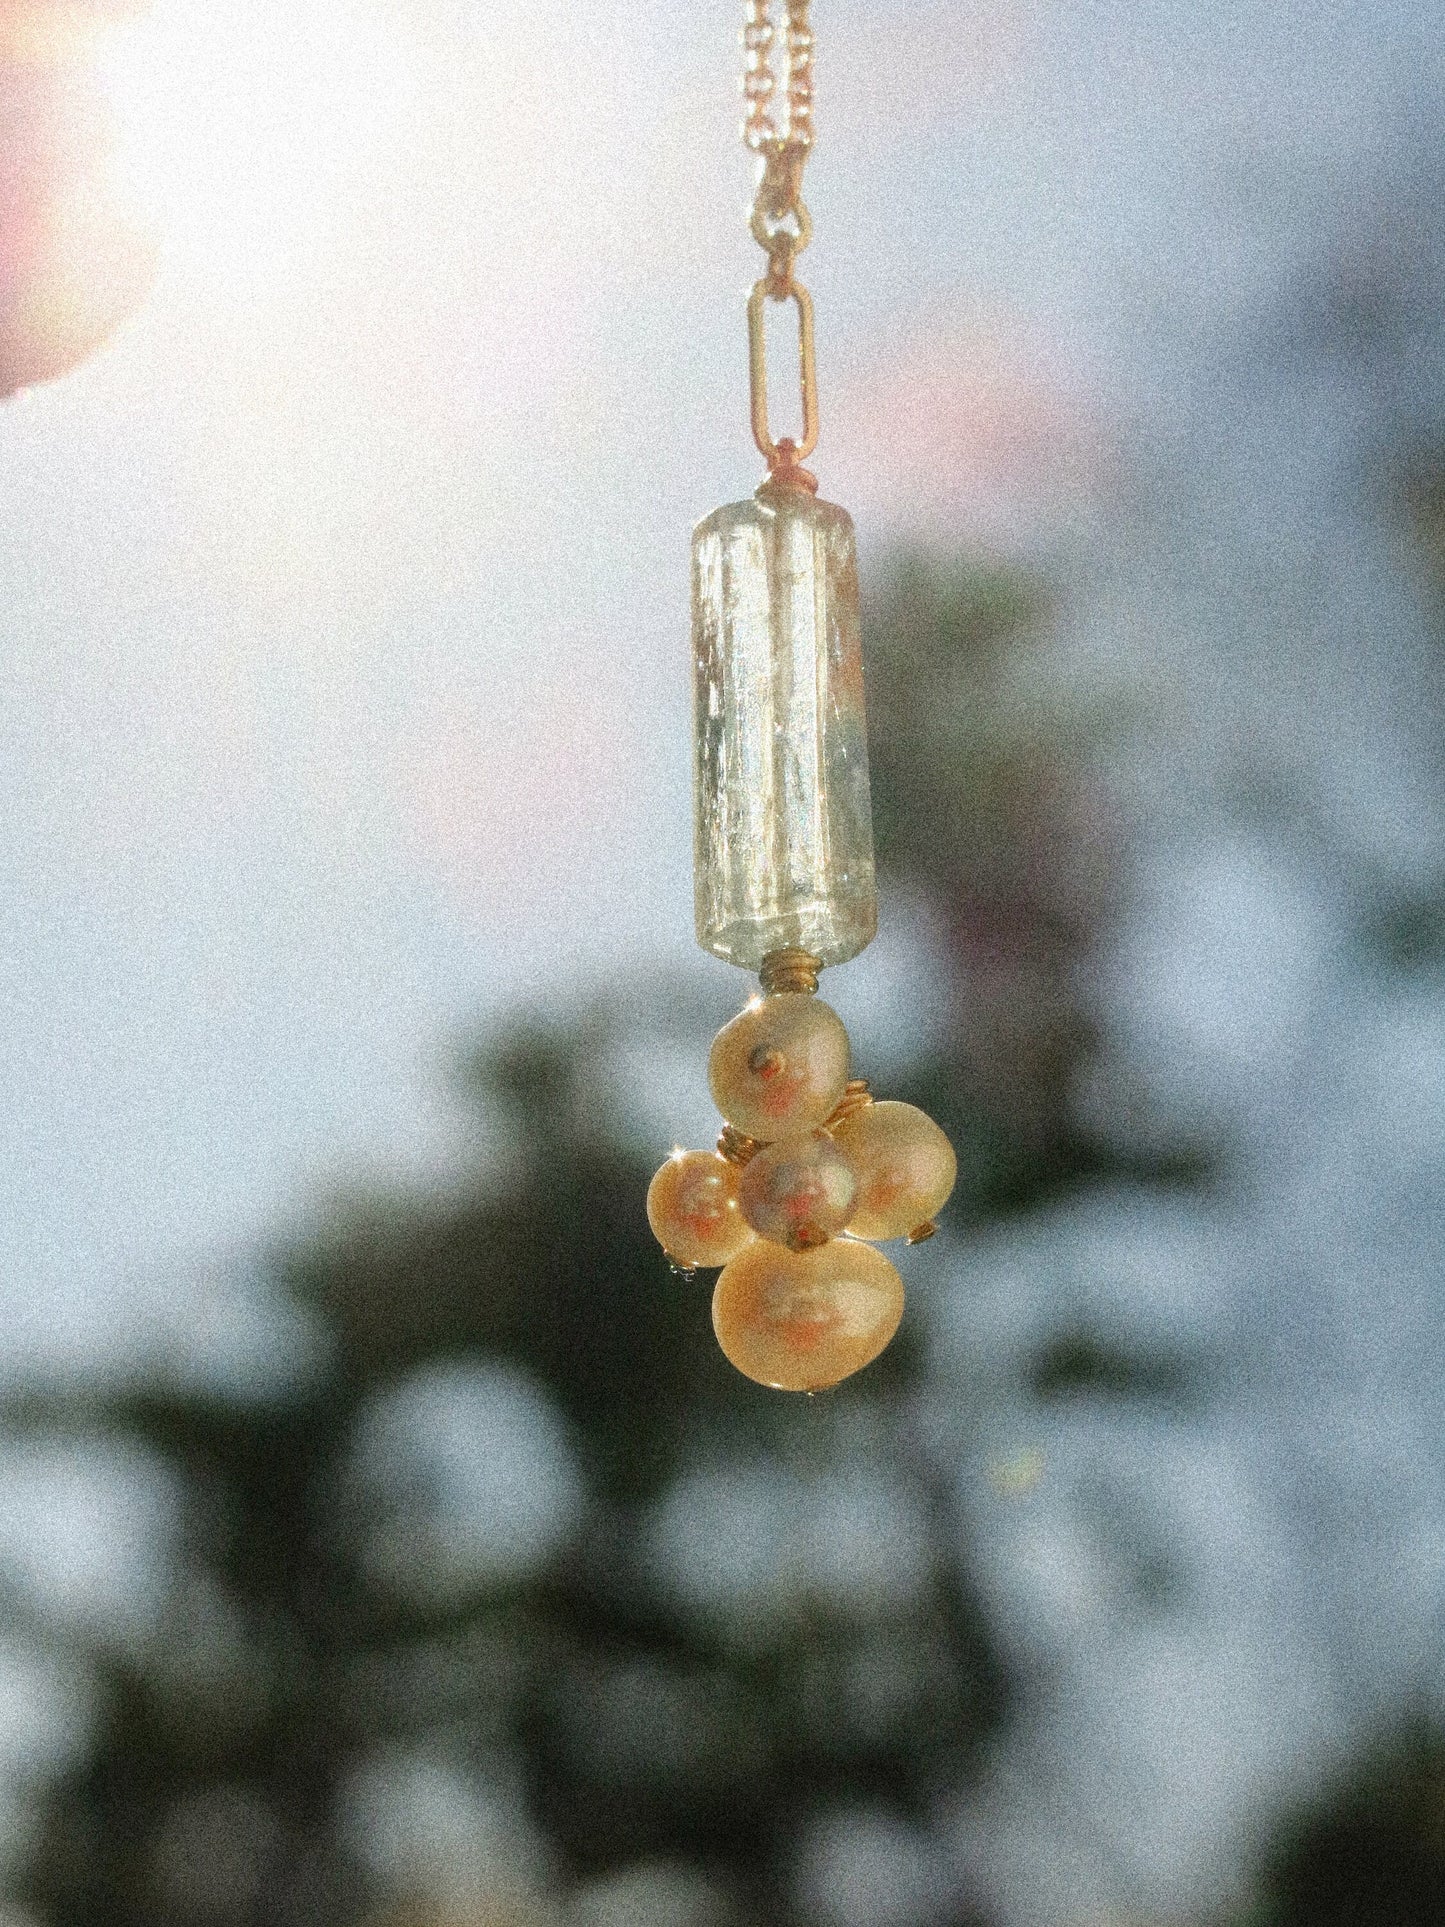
x: 779, y: 219
x: 759, y: 85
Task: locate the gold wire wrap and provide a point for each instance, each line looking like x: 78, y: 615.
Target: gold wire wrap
x: 856, y: 1097
x: 921, y: 1232
x: 736, y: 1146
x: 789, y: 970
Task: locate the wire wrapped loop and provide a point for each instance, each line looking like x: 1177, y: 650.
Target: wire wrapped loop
x: 856, y: 1097
x: 789, y: 970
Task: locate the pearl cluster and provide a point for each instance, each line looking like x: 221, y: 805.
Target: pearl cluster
x: 808, y: 1170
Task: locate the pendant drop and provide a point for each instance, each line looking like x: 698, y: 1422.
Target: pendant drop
x: 808, y: 1170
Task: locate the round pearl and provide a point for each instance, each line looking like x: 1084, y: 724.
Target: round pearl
x: 693, y: 1208
x: 802, y: 1320
x: 904, y: 1164
x: 780, y: 1066
x: 799, y: 1191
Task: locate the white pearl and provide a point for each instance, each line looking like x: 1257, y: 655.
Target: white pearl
x: 780, y: 1066
x: 694, y: 1210
x: 801, y: 1321
x: 799, y: 1191
x: 905, y: 1166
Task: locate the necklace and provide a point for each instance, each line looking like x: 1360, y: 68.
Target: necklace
x: 809, y: 1171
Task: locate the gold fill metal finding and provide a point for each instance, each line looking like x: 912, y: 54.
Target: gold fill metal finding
x: 782, y: 456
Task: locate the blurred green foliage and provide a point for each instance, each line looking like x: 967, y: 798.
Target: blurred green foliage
x: 1370, y: 1855
x: 639, y: 1732
x: 560, y: 1275
x: 215, y: 1788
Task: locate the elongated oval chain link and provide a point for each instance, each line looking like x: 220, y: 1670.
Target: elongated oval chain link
x: 779, y: 218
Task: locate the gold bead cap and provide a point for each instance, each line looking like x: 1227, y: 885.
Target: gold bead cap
x: 787, y: 972
x: 736, y: 1146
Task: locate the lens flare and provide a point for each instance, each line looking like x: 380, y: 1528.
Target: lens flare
x: 250, y: 128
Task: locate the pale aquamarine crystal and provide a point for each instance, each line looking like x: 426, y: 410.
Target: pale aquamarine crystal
x: 783, y: 829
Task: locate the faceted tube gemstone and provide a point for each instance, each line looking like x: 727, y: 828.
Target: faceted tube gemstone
x: 783, y: 829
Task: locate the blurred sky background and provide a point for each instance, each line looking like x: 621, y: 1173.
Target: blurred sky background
x: 344, y: 708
